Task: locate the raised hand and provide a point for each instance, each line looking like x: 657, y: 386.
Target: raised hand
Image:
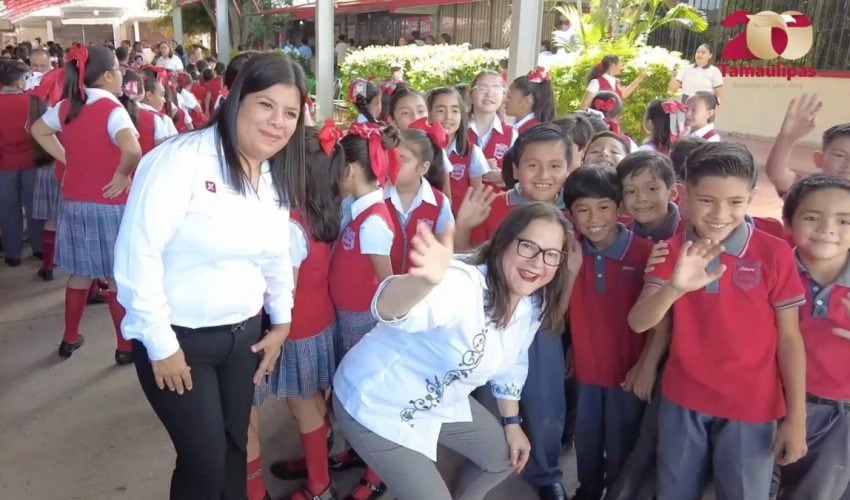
x: 658, y: 255
x: 800, y: 116
x: 690, y: 272
x: 475, y: 207
x: 575, y: 257
x: 430, y: 256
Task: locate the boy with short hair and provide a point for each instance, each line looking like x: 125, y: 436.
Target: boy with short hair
x: 734, y: 295
x: 817, y: 210
x: 606, y: 148
x: 608, y: 355
x: 832, y: 158
x: 649, y: 190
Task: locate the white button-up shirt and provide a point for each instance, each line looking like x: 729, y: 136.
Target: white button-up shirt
x: 408, y: 376
x: 192, y: 252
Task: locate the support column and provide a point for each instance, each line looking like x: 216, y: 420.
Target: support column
x: 222, y: 31
x: 49, y: 30
x: 116, y: 34
x: 177, y: 22
x: 137, y: 37
x: 324, y: 59
x: 525, y: 37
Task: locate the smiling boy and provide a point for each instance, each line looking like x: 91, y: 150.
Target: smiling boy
x: 649, y: 190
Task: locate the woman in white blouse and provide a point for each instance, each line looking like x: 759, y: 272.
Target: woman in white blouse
x: 700, y: 76
x: 203, y: 247
x: 168, y: 59
x: 446, y: 328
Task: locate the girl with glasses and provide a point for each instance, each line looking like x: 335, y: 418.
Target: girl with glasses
x: 486, y: 128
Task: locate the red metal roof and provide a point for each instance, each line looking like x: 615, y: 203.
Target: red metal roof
x: 16, y: 9
x: 343, y: 7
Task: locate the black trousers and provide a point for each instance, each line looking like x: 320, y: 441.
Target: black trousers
x: 209, y: 424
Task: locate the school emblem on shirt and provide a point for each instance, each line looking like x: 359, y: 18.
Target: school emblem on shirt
x: 457, y: 171
x: 347, y: 239
x: 500, y: 151
x: 210, y: 185
x: 747, y: 274
x: 427, y: 223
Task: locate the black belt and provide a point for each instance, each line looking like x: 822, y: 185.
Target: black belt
x: 811, y: 398
x: 235, y: 327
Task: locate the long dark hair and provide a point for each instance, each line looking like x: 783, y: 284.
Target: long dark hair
x: 423, y: 146
x: 324, y: 195
x: 288, y: 166
x: 132, y: 105
x: 100, y: 60
x: 362, y: 103
x: 552, y: 296
x: 399, y: 94
x: 660, y: 120
x: 356, y: 149
x: 544, y: 98
x: 603, y: 67
x: 461, y: 141
x: 37, y: 108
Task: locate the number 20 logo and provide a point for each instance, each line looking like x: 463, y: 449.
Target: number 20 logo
x: 769, y: 35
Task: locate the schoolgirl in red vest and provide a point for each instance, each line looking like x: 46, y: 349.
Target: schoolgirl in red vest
x: 610, y: 105
x: 100, y: 151
x: 699, y: 117
x: 603, y: 76
x: 447, y: 107
x: 187, y: 100
x: 153, y: 101
x: 486, y: 129
x: 415, y: 197
x: 215, y: 85
x: 152, y: 126
x: 361, y: 256
x: 531, y: 99
x: 665, y: 123
x: 17, y: 168
x: 171, y: 109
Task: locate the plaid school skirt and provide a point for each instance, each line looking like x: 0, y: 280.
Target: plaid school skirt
x: 85, y: 238
x: 351, y: 327
x: 46, y: 200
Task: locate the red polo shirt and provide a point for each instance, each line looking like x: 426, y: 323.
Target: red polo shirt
x: 608, y: 285
x: 827, y: 354
x: 723, y: 350
x: 15, y: 147
x: 502, y: 205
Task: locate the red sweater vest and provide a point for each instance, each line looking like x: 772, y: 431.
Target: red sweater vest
x: 497, y: 145
x: 352, y: 277
x: 404, y: 233
x: 527, y: 125
x: 459, y: 177
x: 91, y: 158
x: 200, y: 92
x: 15, y: 150
x: 180, y: 121
x: 313, y: 310
x: 604, y: 84
x: 145, y: 119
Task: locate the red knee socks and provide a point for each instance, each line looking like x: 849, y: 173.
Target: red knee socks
x: 315, y: 445
x: 48, y: 248
x: 75, y: 302
x: 117, y: 312
x: 256, y: 489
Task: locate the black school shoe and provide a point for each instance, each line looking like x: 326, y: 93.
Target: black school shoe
x: 46, y: 274
x: 123, y: 358
x: 554, y: 491
x: 66, y: 349
x: 12, y: 262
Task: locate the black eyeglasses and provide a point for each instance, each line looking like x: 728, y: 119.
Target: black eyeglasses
x: 530, y: 250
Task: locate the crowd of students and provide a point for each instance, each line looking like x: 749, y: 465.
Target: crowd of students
x: 612, y: 290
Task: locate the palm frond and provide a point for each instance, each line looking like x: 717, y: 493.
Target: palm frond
x: 685, y: 15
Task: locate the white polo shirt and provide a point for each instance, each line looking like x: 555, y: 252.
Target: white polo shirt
x: 697, y: 78
x: 409, y: 376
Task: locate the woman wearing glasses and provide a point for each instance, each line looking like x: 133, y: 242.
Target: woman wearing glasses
x: 486, y: 128
x: 444, y: 329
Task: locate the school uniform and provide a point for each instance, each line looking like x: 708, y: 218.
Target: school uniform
x: 472, y: 164
x: 215, y: 87
x: 672, y: 225
x: 606, y: 83
x: 181, y: 120
x: 88, y: 222
x: 430, y: 207
x: 154, y: 127
x: 605, y: 349
x: 824, y: 473
x: 307, y: 363
x: 17, y: 175
x: 366, y: 229
x: 707, y: 133
x: 47, y: 198
x: 189, y: 104
x: 195, y: 264
x: 765, y: 224
x: 499, y: 209
x: 721, y: 390
x: 695, y: 78
x: 495, y: 142
x: 525, y: 123
x: 200, y: 92
x: 405, y: 387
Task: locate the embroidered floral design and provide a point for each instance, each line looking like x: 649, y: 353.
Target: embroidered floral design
x: 511, y: 389
x: 436, y: 387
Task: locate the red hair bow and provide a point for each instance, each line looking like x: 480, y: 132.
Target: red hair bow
x: 184, y: 80
x: 357, y: 87
x: 600, y: 66
x: 131, y: 89
x: 50, y: 88
x: 328, y: 136
x: 385, y: 163
x: 538, y: 75
x: 676, y: 110
x: 388, y: 86
x: 434, y: 130
x: 80, y: 54
x: 604, y: 105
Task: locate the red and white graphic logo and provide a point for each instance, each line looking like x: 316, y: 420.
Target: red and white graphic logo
x: 458, y: 171
x: 747, y: 274
x: 348, y: 238
x: 427, y: 223
x: 500, y: 151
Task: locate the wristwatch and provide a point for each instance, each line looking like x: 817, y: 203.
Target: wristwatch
x: 516, y: 419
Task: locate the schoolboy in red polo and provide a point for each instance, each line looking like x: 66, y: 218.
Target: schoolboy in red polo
x: 734, y: 294
x: 649, y: 193
x: 817, y: 209
x: 605, y: 349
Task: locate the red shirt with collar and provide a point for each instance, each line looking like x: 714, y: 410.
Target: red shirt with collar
x: 15, y: 148
x: 312, y: 310
x: 608, y: 285
x: 502, y: 205
x: 827, y: 354
x: 214, y: 88
x: 673, y: 224
x: 90, y: 156
x: 353, y: 281
x: 404, y: 233
x: 723, y: 349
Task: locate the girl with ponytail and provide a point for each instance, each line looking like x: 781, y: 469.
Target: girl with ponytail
x: 531, y: 99
x: 603, y: 76
x: 366, y: 97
